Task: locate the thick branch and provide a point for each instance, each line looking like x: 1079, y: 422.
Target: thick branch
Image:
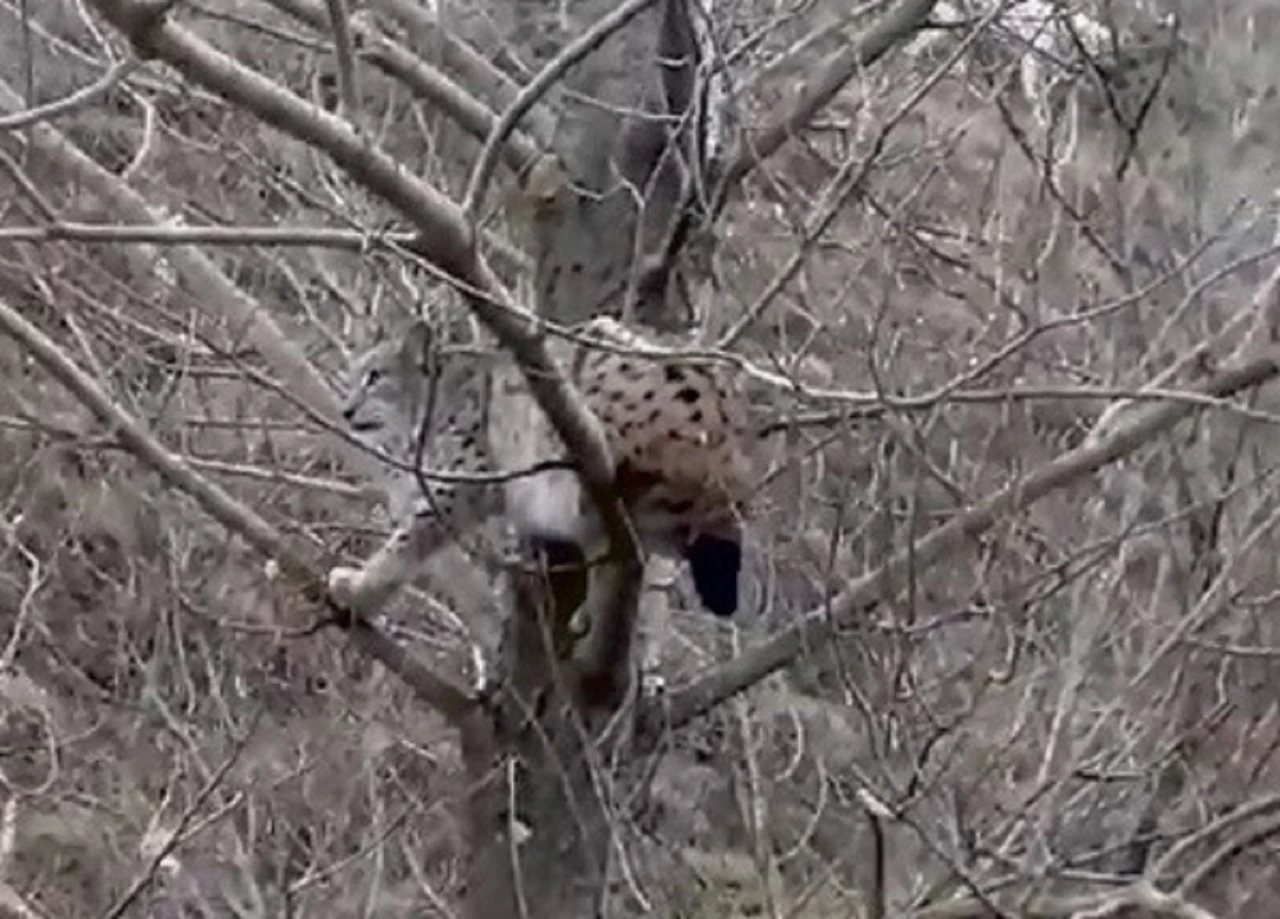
x: 208, y: 286
x: 537, y: 87
x: 832, y: 76
x: 398, y: 62
x: 442, y: 232
x: 240, y: 235
x: 439, y: 222
x: 437, y: 691
x: 751, y: 667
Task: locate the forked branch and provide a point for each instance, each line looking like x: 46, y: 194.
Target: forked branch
x: 442, y: 231
x: 425, y: 81
x: 1138, y: 899
x: 534, y: 91
x: 898, y: 25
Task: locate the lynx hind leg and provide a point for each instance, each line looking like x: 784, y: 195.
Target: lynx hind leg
x: 548, y: 506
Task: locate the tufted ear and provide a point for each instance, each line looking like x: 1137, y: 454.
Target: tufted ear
x: 367, y: 334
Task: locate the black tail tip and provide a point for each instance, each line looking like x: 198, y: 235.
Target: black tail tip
x: 715, y: 563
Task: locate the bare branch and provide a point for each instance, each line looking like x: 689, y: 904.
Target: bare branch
x: 897, y: 26
x: 537, y: 87
x: 1217, y: 859
x: 347, y: 240
x: 442, y: 232
x: 73, y: 102
x: 28, y: 187
x: 438, y: 220
x: 210, y: 287
x: 147, y: 876
x: 846, y: 181
x: 1140, y: 896
x: 471, y: 66
x: 737, y: 675
x: 425, y: 81
x: 1167, y: 863
x: 348, y: 88
x: 876, y: 813
x: 240, y: 519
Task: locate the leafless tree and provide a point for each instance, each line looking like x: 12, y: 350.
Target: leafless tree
x: 1003, y: 277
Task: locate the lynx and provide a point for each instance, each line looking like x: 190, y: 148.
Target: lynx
x: 676, y: 428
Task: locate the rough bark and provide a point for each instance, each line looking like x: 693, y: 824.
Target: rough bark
x: 608, y: 218
x: 539, y: 823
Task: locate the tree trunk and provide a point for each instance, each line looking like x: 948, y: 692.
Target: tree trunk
x: 540, y: 818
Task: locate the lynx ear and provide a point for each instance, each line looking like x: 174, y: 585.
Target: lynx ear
x: 368, y: 333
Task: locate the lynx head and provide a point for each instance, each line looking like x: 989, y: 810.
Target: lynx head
x: 386, y: 382
x: 392, y: 382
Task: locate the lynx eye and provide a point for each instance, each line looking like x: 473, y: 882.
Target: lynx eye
x: 372, y: 377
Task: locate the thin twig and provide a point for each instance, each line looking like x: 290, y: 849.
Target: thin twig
x: 147, y: 876
x: 832, y: 76
x: 348, y: 88
x: 72, y: 102
x: 452, y: 701
x: 847, y: 181
x: 537, y: 87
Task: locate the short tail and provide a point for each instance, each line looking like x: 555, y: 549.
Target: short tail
x: 715, y: 563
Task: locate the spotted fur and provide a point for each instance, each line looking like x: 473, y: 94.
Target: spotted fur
x: 676, y: 429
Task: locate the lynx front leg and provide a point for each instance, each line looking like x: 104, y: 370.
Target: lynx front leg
x: 368, y: 588
x: 434, y: 521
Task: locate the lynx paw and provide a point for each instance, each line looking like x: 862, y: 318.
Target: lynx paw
x: 345, y: 586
